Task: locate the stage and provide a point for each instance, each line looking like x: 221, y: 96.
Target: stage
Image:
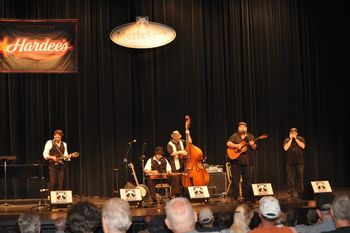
x: 219, y: 205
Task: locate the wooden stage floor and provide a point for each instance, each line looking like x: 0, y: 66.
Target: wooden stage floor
x: 219, y: 205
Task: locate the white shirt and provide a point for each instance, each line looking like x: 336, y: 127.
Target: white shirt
x: 48, y: 147
x: 148, y: 165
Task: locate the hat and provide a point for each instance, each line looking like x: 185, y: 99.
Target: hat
x: 324, y: 201
x: 205, y: 215
x: 269, y: 207
x: 293, y: 129
x: 159, y: 150
x: 242, y: 123
x: 176, y: 134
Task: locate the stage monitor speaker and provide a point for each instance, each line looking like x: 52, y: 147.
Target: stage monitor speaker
x: 131, y: 195
x: 217, y: 183
x: 262, y: 189
x: 322, y: 186
x: 61, y: 198
x: 198, y: 193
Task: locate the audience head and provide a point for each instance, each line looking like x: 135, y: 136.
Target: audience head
x: 323, y: 204
x: 341, y: 210
x: 116, y: 215
x: 281, y: 220
x: 29, y: 223
x: 292, y: 218
x: 60, y: 224
x: 83, y: 217
x: 206, y: 217
x: 269, y: 208
x: 157, y: 225
x: 311, y: 217
x: 241, y: 218
x: 180, y: 215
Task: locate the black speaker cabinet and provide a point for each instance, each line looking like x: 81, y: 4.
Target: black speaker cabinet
x: 217, y: 183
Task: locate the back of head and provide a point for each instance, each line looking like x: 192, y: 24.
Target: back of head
x: 269, y: 208
x: 292, y: 217
x: 157, y: 225
x: 116, y: 215
x: 241, y: 218
x: 206, y: 216
x: 180, y: 215
x: 60, y: 224
x: 324, y: 201
x: 83, y: 217
x: 341, y: 208
x: 29, y: 223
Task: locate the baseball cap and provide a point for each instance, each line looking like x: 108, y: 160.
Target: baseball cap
x: 324, y: 201
x: 205, y: 215
x: 269, y: 207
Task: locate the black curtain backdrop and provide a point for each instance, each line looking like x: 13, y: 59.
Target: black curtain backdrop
x: 275, y: 64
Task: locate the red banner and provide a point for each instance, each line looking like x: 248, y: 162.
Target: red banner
x: 38, y: 46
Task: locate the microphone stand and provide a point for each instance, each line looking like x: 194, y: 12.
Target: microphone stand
x: 125, y: 161
x: 142, y: 158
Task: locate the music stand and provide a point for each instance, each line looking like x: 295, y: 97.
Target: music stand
x: 5, y: 159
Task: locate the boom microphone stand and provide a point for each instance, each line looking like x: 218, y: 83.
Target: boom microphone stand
x: 125, y: 160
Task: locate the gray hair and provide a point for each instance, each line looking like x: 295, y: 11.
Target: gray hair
x: 29, y: 223
x: 180, y: 214
x: 341, y: 207
x: 116, y: 215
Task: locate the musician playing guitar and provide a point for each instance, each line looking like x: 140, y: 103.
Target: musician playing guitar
x: 154, y: 166
x: 53, y: 150
x: 243, y: 142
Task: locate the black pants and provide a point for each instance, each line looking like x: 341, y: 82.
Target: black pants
x: 295, y: 178
x: 176, y: 184
x: 246, y: 171
x: 56, y: 174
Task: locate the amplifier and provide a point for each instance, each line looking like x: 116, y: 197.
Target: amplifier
x: 217, y: 183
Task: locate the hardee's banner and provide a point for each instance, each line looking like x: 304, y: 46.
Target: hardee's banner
x: 38, y: 46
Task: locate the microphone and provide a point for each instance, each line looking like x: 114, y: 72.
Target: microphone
x: 132, y: 141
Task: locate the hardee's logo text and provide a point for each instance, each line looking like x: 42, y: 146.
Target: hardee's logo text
x: 34, y: 49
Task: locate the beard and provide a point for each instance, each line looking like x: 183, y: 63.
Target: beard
x: 242, y: 132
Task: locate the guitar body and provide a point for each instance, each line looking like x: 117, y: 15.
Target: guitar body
x: 235, y: 153
x: 60, y: 160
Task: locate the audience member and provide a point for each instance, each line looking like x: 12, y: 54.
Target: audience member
x: 206, y: 221
x: 323, y: 207
x: 269, y: 211
x: 340, y: 212
x: 255, y: 220
x: 180, y: 215
x: 83, y: 217
x: 60, y: 224
x: 29, y: 223
x: 154, y: 224
x: 223, y: 221
x: 116, y: 216
x: 241, y: 219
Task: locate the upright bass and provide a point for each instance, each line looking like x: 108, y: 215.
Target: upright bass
x: 195, y: 173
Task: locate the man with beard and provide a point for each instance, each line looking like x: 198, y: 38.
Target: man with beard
x: 242, y: 142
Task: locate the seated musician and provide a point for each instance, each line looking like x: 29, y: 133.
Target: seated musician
x: 177, y: 154
x: 155, y: 169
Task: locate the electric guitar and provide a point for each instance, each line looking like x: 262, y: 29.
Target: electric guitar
x: 62, y: 158
x: 142, y: 188
x: 234, y: 153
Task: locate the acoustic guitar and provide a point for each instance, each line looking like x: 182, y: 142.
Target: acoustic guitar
x: 62, y: 158
x: 143, y: 188
x: 234, y: 153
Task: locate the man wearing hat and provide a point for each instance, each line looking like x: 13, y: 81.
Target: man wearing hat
x: 269, y: 212
x: 156, y: 165
x: 294, y: 147
x: 177, y: 154
x: 323, y: 209
x: 242, y: 165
